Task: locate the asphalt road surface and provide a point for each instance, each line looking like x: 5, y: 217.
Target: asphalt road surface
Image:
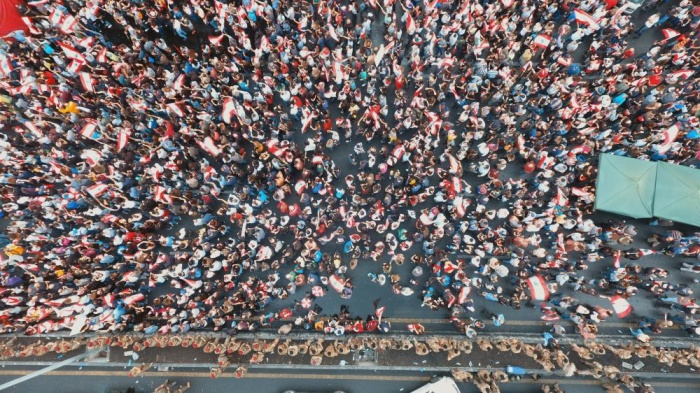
x: 402, y: 310
x: 271, y: 381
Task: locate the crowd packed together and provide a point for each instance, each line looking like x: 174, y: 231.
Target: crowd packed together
x: 173, y: 165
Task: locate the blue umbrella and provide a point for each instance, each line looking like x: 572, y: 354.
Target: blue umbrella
x: 574, y: 69
x: 348, y: 247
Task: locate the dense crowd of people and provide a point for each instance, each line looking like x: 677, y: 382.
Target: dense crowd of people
x: 172, y: 165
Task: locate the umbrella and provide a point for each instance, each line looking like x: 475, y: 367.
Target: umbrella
x: 621, y: 306
x: 317, y: 291
x: 306, y: 302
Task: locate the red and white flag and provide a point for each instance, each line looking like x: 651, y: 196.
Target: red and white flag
x: 333, y: 33
x: 683, y: 74
x: 102, y: 56
x: 108, y: 299
x: 68, y: 25
x: 585, y: 18
x: 564, y: 61
x: 179, y: 82
x: 538, y: 288
x: 88, y: 130
x: 337, y: 283
x: 209, y: 146
x: 229, y: 110
x: 618, y: 14
x: 87, y: 81
x: 265, y: 44
x: 33, y: 129
x: 221, y: 12
x: 621, y: 306
x: 175, y: 108
x: 338, y: 72
x: 160, y: 194
x: 561, y: 199
x: 542, y: 41
x: 670, y: 33
x: 5, y: 67
x: 97, y: 190
x: 75, y: 66
x: 28, y: 21
x: 123, y: 139
x: 300, y: 187
x: 92, y: 156
x: 410, y: 24
x: 463, y: 295
x: 87, y: 42
x: 670, y: 136
x: 383, y: 50
x: 380, y: 312
x: 71, y: 52
x: 55, y: 17
x: 216, y: 39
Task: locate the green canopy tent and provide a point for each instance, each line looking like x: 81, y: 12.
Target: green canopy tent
x: 677, y: 193
x: 625, y: 186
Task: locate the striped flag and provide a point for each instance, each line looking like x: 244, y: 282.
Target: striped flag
x: 68, y: 25
x: 670, y: 136
x: 300, y: 186
x: 160, y: 194
x: 97, y: 190
x: 670, y: 33
x: 542, y: 41
x: 27, y: 21
x: 410, y: 24
x: 179, y: 82
x: 75, y: 66
x: 87, y: 81
x: 561, y: 199
x: 685, y: 74
x: 175, y: 108
x: 88, y: 130
x: 92, y: 156
x: 338, y: 72
x: 87, y: 42
x: 333, y: 33
x: 265, y: 44
x: 102, y: 56
x: 209, y: 146
x: 621, y: 306
x: 586, y: 18
x: 216, y: 40
x: 229, y: 110
x: 123, y: 139
x: 221, y: 12
x: 618, y: 14
x: 5, y: 67
x: 33, y: 129
x: 55, y: 17
x: 538, y: 288
x: 71, y: 52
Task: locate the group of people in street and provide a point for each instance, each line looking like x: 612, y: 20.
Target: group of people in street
x: 169, y: 165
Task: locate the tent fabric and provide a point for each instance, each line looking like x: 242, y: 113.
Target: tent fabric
x: 625, y: 186
x: 10, y: 18
x: 677, y: 193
